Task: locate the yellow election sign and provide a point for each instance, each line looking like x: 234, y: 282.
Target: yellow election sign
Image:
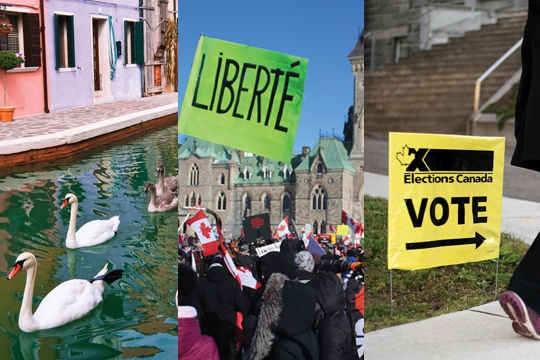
x: 445, y: 199
x: 342, y: 230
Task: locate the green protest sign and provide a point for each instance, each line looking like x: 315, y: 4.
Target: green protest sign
x: 244, y: 97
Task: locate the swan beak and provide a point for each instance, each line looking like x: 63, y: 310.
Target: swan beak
x: 64, y: 204
x: 14, y: 271
x: 145, y: 193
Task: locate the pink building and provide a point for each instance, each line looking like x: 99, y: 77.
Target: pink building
x: 25, y: 85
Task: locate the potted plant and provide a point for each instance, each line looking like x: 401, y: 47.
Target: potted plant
x: 8, y: 61
x: 5, y: 26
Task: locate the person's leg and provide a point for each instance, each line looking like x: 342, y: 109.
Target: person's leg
x: 521, y: 301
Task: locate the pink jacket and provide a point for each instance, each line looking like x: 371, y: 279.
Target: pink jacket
x: 192, y: 345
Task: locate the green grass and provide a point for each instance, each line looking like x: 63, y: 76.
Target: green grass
x: 423, y: 294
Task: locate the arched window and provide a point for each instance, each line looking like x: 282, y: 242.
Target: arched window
x: 286, y: 202
x: 192, y: 202
x: 319, y: 198
x: 323, y: 227
x: 266, y: 172
x: 222, y: 179
x: 247, y: 174
x: 267, y: 202
x: 194, y: 175
x: 186, y: 202
x: 222, y: 201
x: 315, y: 228
x: 319, y: 169
x: 199, y: 201
x: 247, y: 205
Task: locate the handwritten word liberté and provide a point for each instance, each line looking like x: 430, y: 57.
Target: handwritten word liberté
x: 258, y: 89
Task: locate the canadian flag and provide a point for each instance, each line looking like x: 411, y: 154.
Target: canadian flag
x: 332, y: 228
x: 347, y: 219
x: 282, y: 229
x: 200, y: 224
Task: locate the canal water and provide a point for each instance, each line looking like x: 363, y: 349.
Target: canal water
x: 138, y: 317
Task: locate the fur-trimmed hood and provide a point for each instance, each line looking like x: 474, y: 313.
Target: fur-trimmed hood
x: 287, y: 312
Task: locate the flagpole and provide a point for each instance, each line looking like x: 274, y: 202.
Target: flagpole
x: 391, y: 298
x: 183, y: 222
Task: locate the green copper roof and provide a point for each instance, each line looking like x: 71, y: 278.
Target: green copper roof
x: 204, y: 148
x: 333, y: 153
x: 276, y: 168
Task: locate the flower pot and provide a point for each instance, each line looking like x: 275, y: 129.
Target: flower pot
x: 5, y: 32
x: 6, y: 113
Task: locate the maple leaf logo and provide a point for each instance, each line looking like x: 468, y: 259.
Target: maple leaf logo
x: 405, y: 157
x: 281, y: 228
x: 205, y: 230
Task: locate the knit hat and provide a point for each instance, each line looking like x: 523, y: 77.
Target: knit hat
x: 185, y: 243
x: 303, y: 260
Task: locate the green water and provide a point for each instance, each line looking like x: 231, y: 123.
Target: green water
x: 138, y: 317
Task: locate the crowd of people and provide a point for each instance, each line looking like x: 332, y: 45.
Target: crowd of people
x: 297, y: 306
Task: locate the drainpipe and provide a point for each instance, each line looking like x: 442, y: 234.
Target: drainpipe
x: 44, y: 56
x: 143, y: 66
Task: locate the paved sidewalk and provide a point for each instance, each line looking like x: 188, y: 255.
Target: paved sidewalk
x: 73, y: 125
x: 484, y: 332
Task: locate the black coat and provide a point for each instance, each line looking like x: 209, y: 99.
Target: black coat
x: 335, y: 334
x: 220, y: 297
x: 527, y: 130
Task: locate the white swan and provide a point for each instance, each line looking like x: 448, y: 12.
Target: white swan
x: 90, y: 234
x: 165, y: 184
x: 167, y: 201
x: 71, y: 300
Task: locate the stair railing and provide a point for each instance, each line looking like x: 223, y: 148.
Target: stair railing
x: 489, y: 71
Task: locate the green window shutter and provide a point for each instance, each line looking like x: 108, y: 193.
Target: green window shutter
x: 133, y: 44
x: 32, y: 41
x: 56, y: 41
x: 139, y: 43
x: 125, y: 42
x: 71, y: 41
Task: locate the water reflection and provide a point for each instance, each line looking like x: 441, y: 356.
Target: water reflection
x: 137, y: 317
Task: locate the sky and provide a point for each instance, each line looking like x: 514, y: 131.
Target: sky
x: 324, y: 32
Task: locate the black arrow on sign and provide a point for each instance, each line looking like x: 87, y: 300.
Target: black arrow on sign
x: 477, y: 239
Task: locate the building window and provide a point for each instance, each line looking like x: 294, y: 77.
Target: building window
x: 194, y: 175
x: 319, y: 169
x: 199, y: 201
x: 222, y: 201
x: 286, y: 173
x: 64, y: 43
x: 319, y: 198
x: 24, y: 38
x: 247, y: 174
x: 315, y: 228
x: 323, y: 227
x: 186, y: 202
x: 267, y: 202
x: 267, y: 172
x: 222, y: 179
x: 193, y: 199
x: 247, y: 205
x: 133, y: 42
x: 286, y: 202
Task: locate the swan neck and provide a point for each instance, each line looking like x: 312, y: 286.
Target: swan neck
x: 26, y: 316
x: 153, y: 196
x: 161, y: 178
x: 70, y: 239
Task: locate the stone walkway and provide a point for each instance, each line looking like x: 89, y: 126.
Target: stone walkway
x: 57, y: 121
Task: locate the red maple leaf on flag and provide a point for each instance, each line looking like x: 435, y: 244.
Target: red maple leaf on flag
x: 281, y: 228
x: 205, y: 230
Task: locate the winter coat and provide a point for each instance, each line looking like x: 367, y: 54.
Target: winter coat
x: 220, y: 298
x: 284, y: 324
x: 192, y: 345
x: 335, y: 334
x: 527, y: 126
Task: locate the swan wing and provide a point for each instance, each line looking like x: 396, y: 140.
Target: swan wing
x: 97, y: 231
x: 68, y: 301
x: 171, y: 183
x: 167, y: 201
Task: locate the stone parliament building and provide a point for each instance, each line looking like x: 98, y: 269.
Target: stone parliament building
x: 312, y: 189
